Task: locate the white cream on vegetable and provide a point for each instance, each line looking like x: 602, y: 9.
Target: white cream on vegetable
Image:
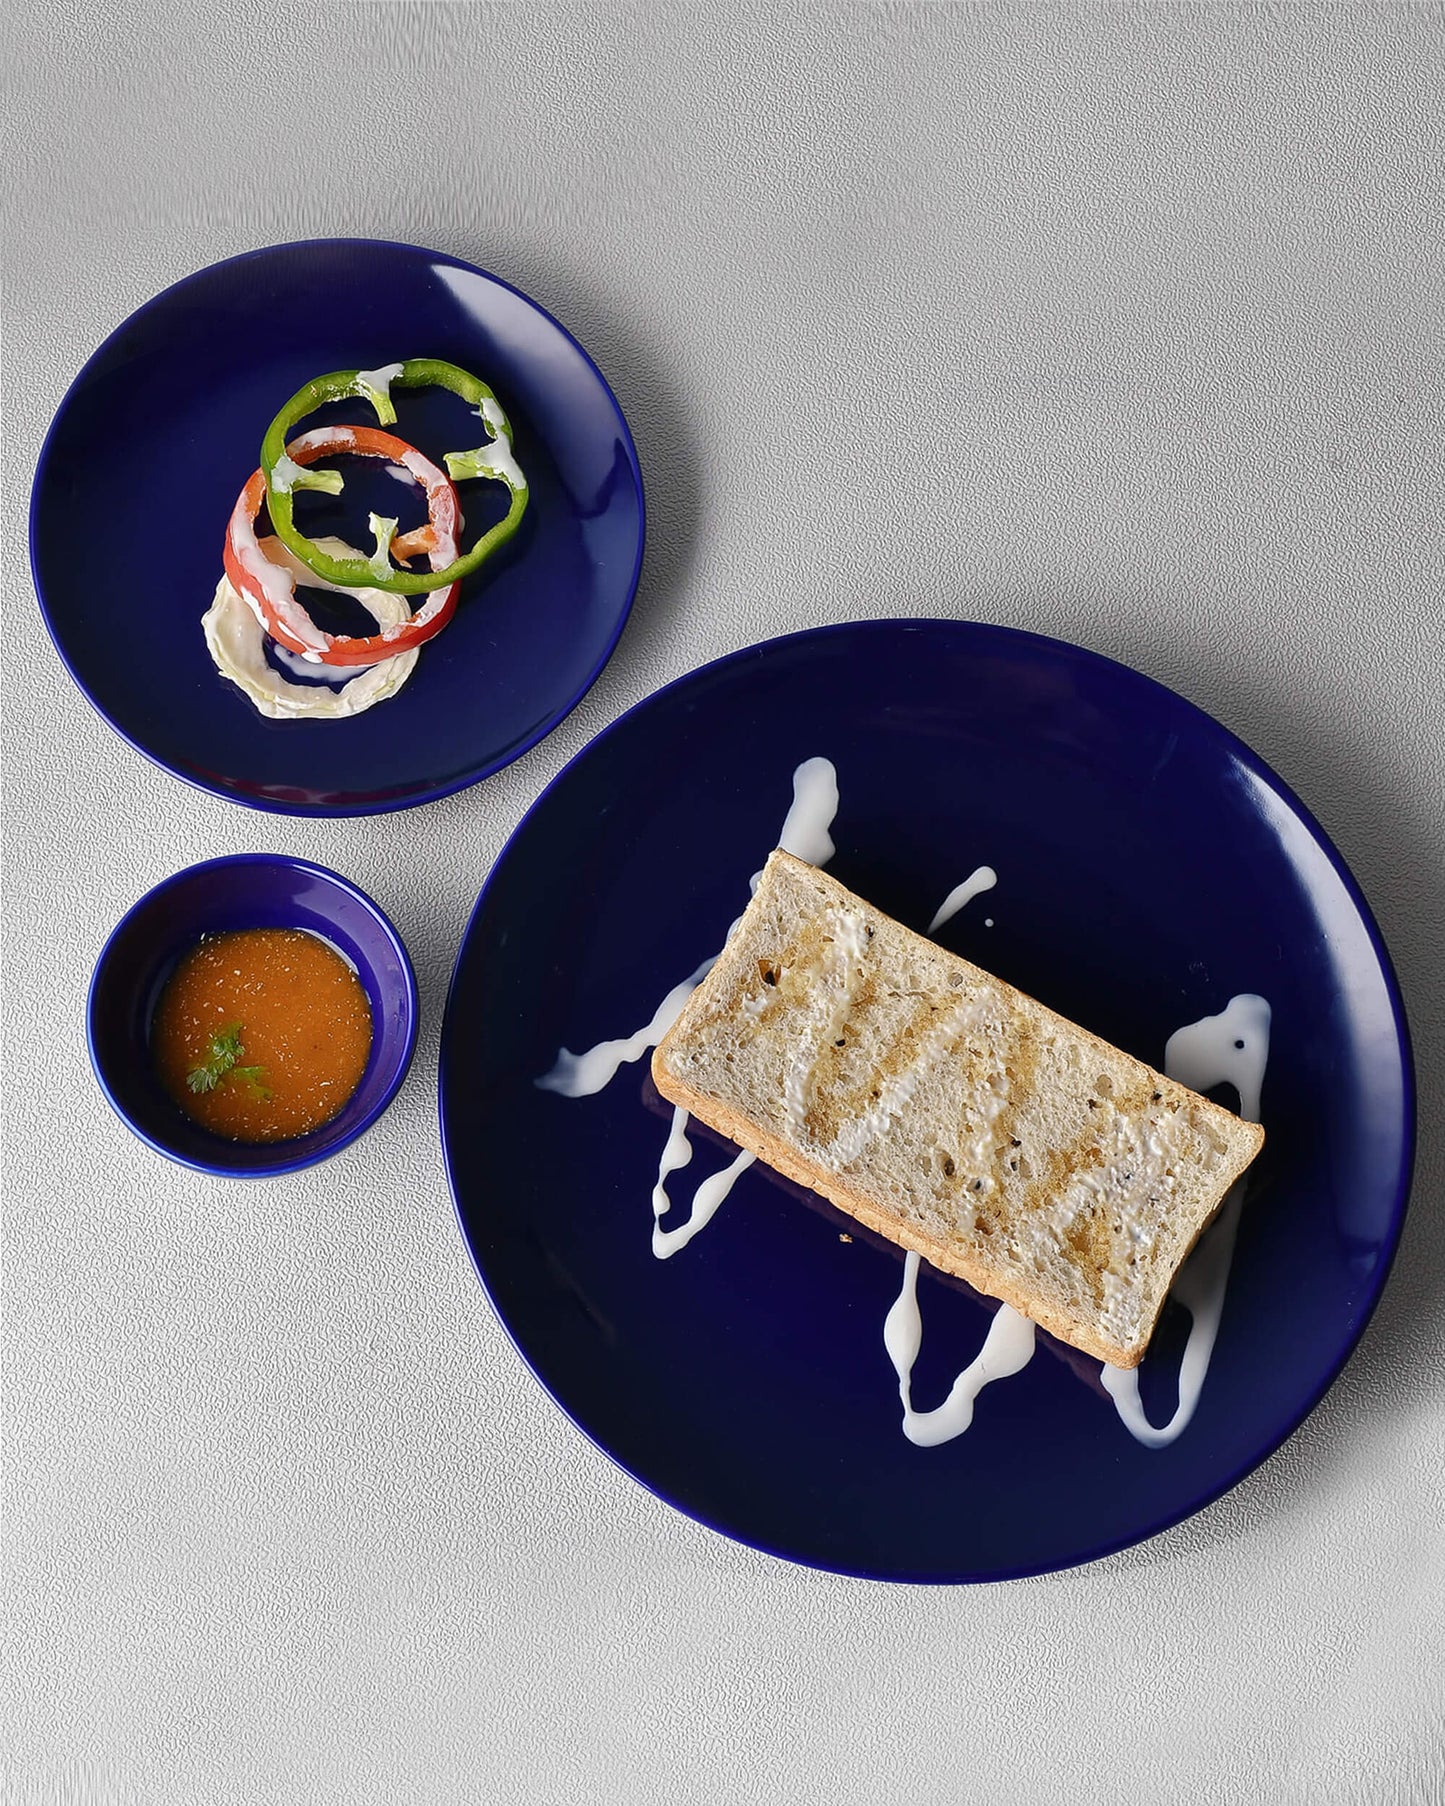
x: 378, y: 381
x: 496, y: 459
x: 284, y: 473
x: 237, y: 643
x: 276, y: 578
x: 1231, y: 1048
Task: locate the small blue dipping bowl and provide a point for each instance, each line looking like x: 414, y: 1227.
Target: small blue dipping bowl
x: 246, y: 890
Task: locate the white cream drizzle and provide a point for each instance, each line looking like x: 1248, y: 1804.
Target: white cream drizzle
x: 974, y: 885
x: 708, y: 1196
x: 1007, y: 1349
x: 236, y: 641
x: 805, y: 835
x: 284, y: 473
x: 277, y: 581
x: 1231, y: 1048
x: 377, y: 381
x: 856, y: 1134
x: 301, y: 666
x: 810, y: 815
x: 496, y: 459
x: 585, y: 1074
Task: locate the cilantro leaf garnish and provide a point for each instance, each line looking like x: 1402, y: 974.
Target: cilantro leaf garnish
x: 223, y: 1054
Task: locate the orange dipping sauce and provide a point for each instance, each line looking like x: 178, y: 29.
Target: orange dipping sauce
x: 261, y: 1034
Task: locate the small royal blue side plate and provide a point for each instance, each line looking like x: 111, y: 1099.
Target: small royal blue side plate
x: 163, y: 426
x: 1149, y: 869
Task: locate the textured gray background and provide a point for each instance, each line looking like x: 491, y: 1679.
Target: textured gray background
x: 1156, y: 294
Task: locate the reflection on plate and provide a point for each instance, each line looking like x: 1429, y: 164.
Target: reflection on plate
x: 163, y: 426
x: 1149, y: 869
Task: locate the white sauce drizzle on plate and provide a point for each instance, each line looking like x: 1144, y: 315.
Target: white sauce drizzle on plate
x: 810, y: 815
x: 1230, y: 1048
x: 585, y: 1074
x: 804, y: 834
x: 708, y: 1196
x: 1007, y: 1349
x: 974, y: 885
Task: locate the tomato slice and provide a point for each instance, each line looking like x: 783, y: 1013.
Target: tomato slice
x: 270, y: 589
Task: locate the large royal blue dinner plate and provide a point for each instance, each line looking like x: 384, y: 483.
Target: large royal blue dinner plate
x: 163, y: 426
x: 1149, y: 868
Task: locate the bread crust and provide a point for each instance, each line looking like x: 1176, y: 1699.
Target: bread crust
x: 719, y: 999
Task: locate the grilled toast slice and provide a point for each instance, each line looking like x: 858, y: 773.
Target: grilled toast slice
x: 951, y: 1113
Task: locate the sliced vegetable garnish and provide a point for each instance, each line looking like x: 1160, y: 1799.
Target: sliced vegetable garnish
x: 283, y: 472
x: 237, y: 643
x: 269, y: 586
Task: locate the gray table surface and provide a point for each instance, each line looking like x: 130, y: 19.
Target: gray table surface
x: 1156, y: 294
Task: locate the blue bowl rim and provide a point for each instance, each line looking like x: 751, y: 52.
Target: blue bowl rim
x: 315, y: 1152
x: 1235, y: 748
x: 434, y: 793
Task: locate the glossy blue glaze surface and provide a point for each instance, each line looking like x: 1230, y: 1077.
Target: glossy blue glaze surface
x: 163, y: 426
x: 245, y: 890
x: 1149, y: 868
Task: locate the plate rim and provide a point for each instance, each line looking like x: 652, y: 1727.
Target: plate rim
x: 1233, y: 745
x: 361, y: 807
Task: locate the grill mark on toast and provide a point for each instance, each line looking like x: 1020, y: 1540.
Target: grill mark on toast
x: 1036, y: 1232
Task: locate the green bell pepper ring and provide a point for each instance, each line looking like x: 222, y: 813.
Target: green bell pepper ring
x: 491, y: 459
